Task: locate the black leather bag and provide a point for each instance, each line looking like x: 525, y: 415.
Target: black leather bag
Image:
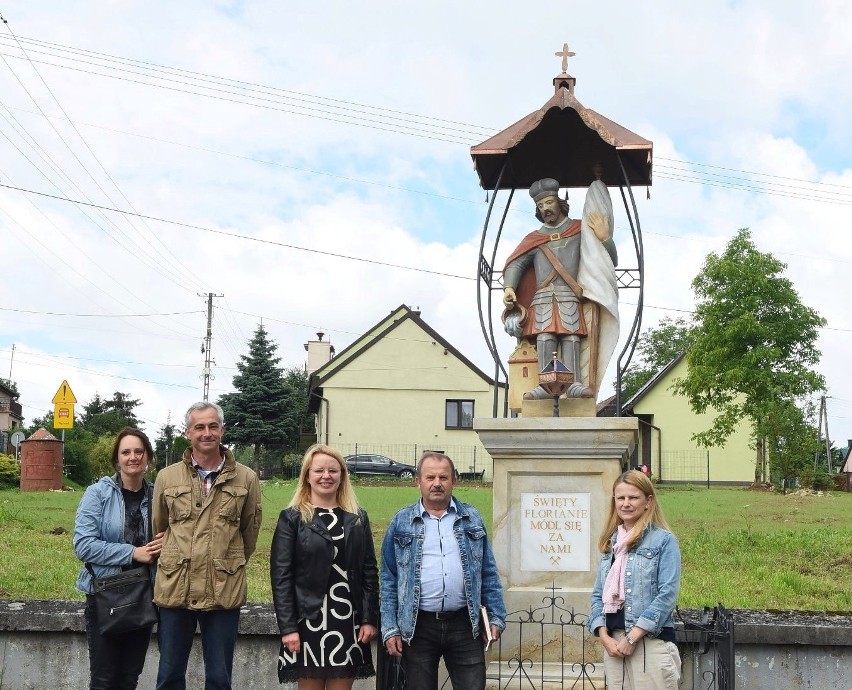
x: 125, y: 601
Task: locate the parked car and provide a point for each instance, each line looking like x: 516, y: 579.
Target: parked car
x: 370, y: 464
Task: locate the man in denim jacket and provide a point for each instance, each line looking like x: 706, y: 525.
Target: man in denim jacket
x: 437, y: 571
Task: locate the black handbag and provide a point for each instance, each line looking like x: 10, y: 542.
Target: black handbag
x: 124, y: 602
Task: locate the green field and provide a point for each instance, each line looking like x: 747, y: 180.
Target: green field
x: 742, y: 548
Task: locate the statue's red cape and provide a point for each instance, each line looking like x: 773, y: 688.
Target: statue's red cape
x: 527, y: 285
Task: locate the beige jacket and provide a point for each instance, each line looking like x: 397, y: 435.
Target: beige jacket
x: 207, y: 541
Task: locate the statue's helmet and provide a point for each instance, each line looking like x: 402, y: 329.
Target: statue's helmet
x: 545, y: 187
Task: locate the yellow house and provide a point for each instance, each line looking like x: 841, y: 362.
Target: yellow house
x: 666, y: 424
x: 400, y: 389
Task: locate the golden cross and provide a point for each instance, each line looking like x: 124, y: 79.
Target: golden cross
x: 565, y: 54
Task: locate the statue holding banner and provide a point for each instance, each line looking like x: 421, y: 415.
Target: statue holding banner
x: 560, y: 289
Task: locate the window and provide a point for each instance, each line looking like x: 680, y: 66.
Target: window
x: 459, y: 414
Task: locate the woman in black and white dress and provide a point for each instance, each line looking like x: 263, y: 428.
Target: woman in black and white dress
x: 324, y: 579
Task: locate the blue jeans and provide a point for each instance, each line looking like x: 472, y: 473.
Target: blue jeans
x: 464, y: 654
x: 218, y: 639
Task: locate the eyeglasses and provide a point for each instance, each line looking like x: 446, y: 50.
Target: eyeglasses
x: 136, y: 452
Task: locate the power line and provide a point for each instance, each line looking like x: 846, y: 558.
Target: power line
x: 241, y: 237
x: 453, y: 127
x: 154, y: 266
x: 99, y: 316
x: 243, y: 85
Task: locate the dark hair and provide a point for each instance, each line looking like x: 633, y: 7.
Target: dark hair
x: 131, y: 431
x: 434, y: 454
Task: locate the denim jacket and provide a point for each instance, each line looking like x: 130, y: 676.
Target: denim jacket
x: 651, y: 583
x: 99, y: 531
x: 402, y: 557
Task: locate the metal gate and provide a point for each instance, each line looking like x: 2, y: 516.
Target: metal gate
x: 706, y: 645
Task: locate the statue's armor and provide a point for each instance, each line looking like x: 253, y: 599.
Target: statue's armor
x: 553, y: 296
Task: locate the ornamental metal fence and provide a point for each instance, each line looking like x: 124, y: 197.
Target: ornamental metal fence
x: 548, y: 647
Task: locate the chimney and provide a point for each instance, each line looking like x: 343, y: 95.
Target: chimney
x: 319, y: 352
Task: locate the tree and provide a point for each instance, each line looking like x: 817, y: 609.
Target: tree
x: 296, y: 381
x: 790, y: 439
x: 656, y: 348
x: 164, y: 445
x: 255, y: 413
x: 11, y: 385
x: 102, y: 416
x: 754, y: 344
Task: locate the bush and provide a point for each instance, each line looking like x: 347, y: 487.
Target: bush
x: 291, y: 465
x: 10, y: 472
x: 818, y: 480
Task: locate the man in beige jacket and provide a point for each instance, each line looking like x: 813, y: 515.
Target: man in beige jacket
x: 209, y: 507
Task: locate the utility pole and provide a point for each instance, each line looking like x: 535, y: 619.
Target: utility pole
x: 823, y: 417
x: 11, y: 363
x: 206, y: 346
x: 827, y: 437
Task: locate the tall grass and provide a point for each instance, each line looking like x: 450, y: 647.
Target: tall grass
x: 741, y: 548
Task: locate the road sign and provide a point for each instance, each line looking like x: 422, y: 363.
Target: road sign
x: 64, y: 395
x: 17, y: 437
x: 63, y: 416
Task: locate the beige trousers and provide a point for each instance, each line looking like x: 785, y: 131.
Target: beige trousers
x: 654, y: 665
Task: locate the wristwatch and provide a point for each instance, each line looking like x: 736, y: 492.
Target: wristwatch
x: 630, y: 641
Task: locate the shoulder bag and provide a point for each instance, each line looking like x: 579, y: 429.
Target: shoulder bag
x: 125, y: 601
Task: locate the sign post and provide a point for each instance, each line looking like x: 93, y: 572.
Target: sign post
x: 17, y: 437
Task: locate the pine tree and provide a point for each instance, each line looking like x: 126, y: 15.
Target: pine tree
x: 256, y: 413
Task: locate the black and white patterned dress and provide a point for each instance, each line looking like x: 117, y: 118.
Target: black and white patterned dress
x: 330, y: 647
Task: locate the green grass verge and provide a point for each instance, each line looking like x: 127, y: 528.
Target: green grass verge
x: 744, y: 549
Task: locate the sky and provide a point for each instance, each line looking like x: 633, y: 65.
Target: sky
x: 309, y: 164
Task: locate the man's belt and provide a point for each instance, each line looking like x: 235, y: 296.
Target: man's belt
x: 443, y: 615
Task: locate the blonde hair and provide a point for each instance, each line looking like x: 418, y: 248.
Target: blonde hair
x: 302, y: 498
x: 653, y: 516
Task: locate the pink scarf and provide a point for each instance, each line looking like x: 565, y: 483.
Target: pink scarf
x: 613, y: 591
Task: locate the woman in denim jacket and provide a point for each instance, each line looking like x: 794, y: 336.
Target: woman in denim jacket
x: 636, y: 590
x: 112, y: 532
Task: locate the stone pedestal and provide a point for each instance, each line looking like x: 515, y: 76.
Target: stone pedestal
x: 553, y: 480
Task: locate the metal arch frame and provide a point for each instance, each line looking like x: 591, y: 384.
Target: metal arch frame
x: 489, y: 280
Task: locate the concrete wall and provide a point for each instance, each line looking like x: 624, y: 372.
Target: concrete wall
x: 43, y: 645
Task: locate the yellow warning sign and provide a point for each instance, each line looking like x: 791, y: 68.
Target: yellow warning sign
x: 64, y: 395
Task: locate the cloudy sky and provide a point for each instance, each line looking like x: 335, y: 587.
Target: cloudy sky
x: 310, y: 164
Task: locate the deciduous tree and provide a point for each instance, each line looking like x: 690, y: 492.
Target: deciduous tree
x: 754, y: 344
x: 657, y: 347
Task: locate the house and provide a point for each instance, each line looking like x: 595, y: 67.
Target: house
x: 666, y: 425
x: 846, y: 468
x: 400, y: 389
x: 11, y: 415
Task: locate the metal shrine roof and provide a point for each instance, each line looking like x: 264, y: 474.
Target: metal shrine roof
x: 566, y: 141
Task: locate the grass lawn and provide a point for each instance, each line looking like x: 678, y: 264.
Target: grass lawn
x: 742, y: 548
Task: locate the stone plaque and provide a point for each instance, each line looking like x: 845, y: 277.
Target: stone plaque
x: 555, y: 532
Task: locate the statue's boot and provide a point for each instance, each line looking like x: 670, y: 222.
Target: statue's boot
x: 578, y: 390
x: 537, y: 393
x: 571, y: 356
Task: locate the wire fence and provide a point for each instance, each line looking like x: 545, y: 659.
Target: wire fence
x: 471, y: 461
x: 685, y: 466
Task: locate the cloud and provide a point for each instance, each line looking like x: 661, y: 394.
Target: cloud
x: 327, y: 160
